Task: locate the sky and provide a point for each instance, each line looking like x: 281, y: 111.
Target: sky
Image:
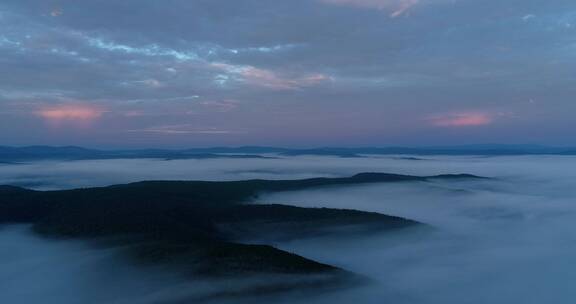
x: 301, y: 73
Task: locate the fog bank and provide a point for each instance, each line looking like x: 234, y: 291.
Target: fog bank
x: 511, y: 239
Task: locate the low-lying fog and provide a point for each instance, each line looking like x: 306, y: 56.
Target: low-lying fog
x: 511, y: 239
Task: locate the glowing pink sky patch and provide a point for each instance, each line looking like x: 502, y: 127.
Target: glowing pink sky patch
x: 75, y: 113
x: 470, y: 119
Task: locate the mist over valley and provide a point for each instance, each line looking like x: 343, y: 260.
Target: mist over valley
x: 488, y: 237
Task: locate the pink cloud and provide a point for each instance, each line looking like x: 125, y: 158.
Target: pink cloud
x: 266, y: 78
x: 75, y: 113
x: 466, y: 119
x: 396, y: 7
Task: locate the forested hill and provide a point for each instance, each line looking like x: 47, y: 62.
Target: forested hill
x: 200, y: 225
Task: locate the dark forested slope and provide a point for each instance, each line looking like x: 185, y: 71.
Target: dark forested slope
x: 198, y: 224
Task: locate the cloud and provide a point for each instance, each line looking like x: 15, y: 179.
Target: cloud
x: 288, y: 52
x: 220, y: 105
x: 396, y: 7
x: 74, y: 113
x: 149, y: 83
x: 56, y: 12
x: 200, y: 57
x: 266, y: 78
x: 465, y: 119
x: 182, y: 129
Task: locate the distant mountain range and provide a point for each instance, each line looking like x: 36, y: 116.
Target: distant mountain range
x: 11, y: 154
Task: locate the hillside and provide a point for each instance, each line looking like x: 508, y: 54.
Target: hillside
x: 200, y: 225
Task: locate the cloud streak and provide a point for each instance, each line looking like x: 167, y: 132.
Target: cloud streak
x: 465, y: 119
x: 183, y: 129
x: 70, y: 113
x: 396, y: 7
x: 266, y: 78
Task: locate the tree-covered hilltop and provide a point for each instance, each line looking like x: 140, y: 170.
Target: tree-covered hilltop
x: 198, y: 224
x: 143, y: 205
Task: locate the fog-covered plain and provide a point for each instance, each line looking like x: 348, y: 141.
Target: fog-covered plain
x: 510, y: 239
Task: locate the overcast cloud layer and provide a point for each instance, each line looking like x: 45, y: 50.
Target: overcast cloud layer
x: 301, y: 72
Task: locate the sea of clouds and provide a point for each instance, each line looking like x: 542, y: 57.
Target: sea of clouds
x: 508, y: 239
